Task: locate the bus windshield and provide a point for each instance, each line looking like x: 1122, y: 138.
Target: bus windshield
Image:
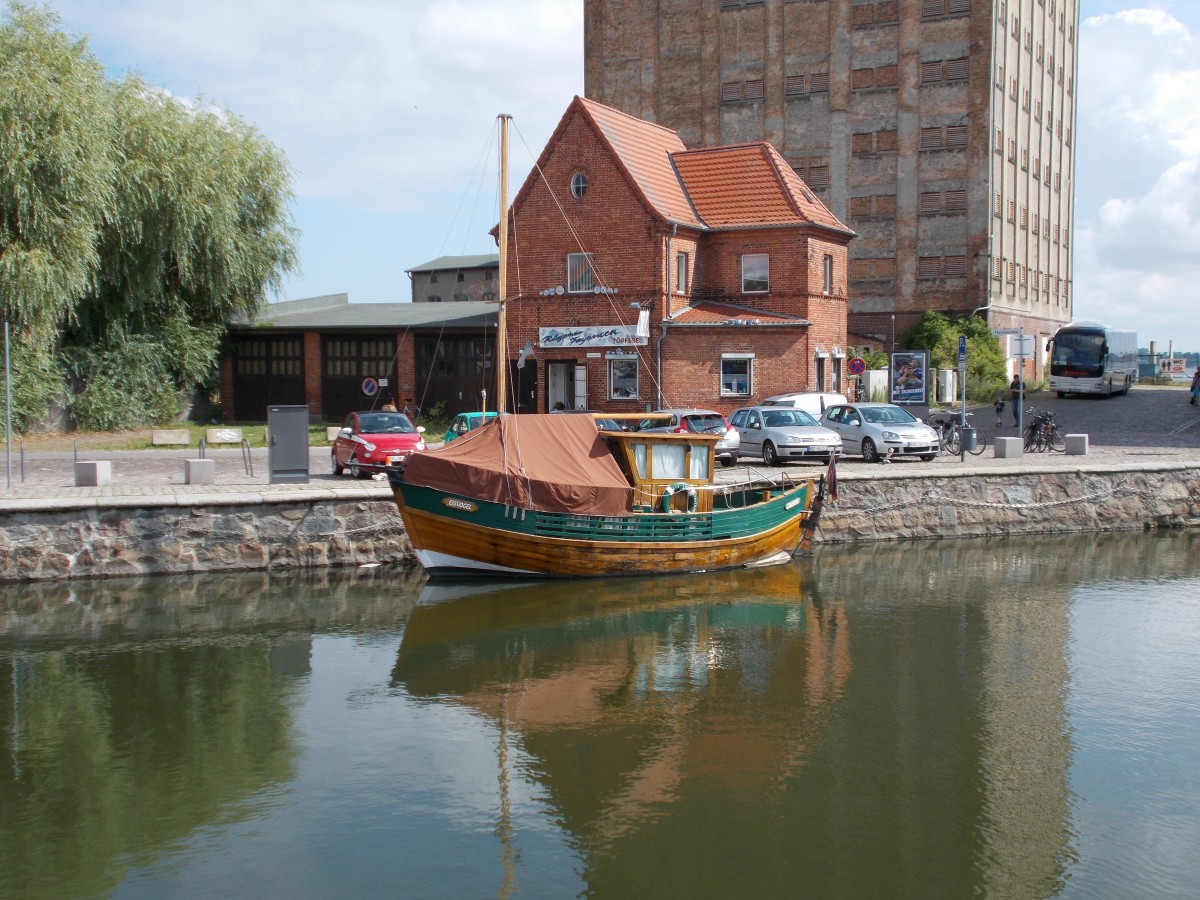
x: 1078, y: 353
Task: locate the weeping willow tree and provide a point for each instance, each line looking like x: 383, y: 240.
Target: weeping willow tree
x: 133, y: 226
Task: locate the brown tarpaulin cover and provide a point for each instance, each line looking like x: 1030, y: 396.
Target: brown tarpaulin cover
x: 550, y: 463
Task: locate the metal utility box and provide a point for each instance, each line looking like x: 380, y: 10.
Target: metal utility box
x: 287, y: 442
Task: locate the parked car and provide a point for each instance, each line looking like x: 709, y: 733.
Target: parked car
x: 464, y: 422
x: 780, y: 434
x: 603, y: 423
x: 812, y: 402
x: 374, y: 441
x: 874, y: 429
x: 697, y: 421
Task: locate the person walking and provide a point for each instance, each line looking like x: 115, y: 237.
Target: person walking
x: 1195, y: 401
x: 999, y: 407
x: 1017, y: 388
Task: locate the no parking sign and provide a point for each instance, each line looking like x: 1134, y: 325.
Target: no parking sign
x: 370, y: 387
x: 858, y: 365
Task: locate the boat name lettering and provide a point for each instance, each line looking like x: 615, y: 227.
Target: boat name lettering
x: 455, y: 503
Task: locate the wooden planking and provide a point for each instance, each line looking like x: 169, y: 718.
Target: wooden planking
x: 568, y: 557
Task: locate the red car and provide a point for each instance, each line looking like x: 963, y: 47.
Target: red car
x: 375, y: 442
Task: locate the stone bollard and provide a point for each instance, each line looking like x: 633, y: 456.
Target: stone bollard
x: 1077, y: 444
x: 199, y: 471
x: 1008, y: 447
x: 93, y: 473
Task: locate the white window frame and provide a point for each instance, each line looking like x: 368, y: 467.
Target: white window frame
x: 748, y: 360
x: 828, y: 274
x: 681, y: 273
x: 577, y: 276
x: 579, y: 185
x: 752, y: 278
x: 616, y: 363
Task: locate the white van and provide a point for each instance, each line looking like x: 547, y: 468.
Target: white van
x: 812, y: 402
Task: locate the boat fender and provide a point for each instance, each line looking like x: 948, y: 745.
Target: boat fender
x: 665, y: 503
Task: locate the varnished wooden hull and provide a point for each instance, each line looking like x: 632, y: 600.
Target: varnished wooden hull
x: 457, y: 535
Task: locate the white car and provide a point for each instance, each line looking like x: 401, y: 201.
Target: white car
x: 812, y: 402
x: 881, y: 430
x: 781, y: 434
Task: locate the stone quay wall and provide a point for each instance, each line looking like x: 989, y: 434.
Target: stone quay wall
x: 182, y: 534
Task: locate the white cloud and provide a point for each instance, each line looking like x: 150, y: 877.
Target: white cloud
x: 1137, y: 236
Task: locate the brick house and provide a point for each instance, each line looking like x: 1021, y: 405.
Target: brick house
x: 653, y: 275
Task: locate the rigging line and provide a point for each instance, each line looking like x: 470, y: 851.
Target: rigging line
x: 477, y: 173
x: 642, y: 353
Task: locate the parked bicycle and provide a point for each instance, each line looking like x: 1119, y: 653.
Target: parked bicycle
x: 950, y: 436
x: 1042, y: 432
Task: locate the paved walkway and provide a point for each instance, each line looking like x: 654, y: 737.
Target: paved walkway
x: 1152, y: 425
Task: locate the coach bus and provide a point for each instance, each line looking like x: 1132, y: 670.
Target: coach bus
x: 1086, y: 358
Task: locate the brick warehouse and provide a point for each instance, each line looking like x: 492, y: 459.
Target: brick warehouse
x: 940, y: 130
x: 656, y: 276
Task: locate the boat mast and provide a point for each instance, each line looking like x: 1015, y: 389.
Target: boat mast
x: 501, y: 323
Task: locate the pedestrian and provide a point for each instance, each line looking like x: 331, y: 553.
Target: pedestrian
x: 1017, y: 388
x: 1195, y: 387
x: 389, y: 405
x: 999, y: 406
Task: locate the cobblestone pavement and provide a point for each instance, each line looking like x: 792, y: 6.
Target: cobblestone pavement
x: 1152, y: 424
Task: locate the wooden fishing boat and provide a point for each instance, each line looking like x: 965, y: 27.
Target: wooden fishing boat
x: 552, y: 496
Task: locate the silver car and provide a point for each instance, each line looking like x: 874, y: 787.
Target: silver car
x: 780, y: 434
x: 880, y: 431
x: 697, y: 421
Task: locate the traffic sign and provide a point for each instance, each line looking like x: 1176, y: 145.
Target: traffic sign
x: 370, y: 387
x: 858, y: 365
x: 962, y: 348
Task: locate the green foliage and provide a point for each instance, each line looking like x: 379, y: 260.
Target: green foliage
x: 39, y: 384
x: 133, y: 226
x: 938, y: 333
x: 124, y: 384
x: 56, y: 170
x: 875, y: 359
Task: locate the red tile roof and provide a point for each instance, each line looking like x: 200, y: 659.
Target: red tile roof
x: 717, y: 188
x: 644, y: 150
x: 749, y: 185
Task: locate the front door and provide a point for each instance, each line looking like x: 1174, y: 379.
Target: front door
x: 560, y: 384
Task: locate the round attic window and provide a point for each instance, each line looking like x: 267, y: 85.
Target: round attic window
x: 579, y: 184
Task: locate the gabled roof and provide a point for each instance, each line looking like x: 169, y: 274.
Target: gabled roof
x: 713, y: 189
x: 453, y: 263
x: 644, y: 151
x: 747, y: 186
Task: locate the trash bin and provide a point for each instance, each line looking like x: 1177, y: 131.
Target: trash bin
x: 970, y: 440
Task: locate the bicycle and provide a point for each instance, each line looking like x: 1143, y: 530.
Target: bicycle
x: 1042, y: 433
x: 950, y: 436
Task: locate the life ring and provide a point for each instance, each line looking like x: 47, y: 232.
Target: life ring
x: 665, y: 503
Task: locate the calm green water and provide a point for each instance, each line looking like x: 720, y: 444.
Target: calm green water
x: 1003, y: 719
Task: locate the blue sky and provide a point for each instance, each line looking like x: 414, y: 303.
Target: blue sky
x: 386, y: 110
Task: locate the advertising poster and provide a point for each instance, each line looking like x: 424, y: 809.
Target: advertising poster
x: 907, y: 376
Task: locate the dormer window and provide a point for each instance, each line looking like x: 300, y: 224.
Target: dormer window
x: 579, y: 185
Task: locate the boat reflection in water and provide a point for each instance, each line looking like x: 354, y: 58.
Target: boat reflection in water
x: 721, y: 714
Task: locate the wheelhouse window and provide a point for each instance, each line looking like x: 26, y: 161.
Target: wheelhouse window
x: 623, y: 379
x: 579, y: 273
x: 756, y: 273
x: 736, y: 372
